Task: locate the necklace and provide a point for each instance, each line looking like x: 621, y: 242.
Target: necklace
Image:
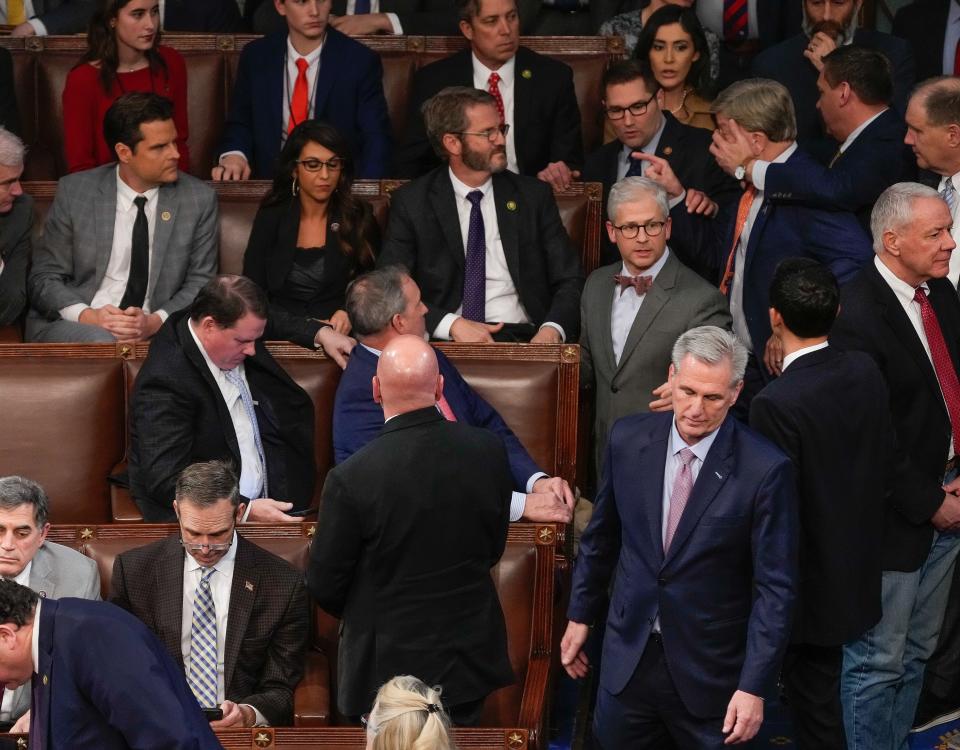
x: 683, y: 100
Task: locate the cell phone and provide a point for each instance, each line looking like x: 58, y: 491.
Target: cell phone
x: 304, y: 512
x: 213, y: 714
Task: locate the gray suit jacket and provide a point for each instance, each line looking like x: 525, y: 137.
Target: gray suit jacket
x: 678, y: 301
x: 70, y: 262
x: 15, y: 229
x: 57, y: 572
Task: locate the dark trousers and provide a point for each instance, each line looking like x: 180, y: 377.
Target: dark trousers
x: 466, y: 714
x: 811, y: 680
x: 649, y: 715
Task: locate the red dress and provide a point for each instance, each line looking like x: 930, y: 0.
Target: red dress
x: 85, y: 103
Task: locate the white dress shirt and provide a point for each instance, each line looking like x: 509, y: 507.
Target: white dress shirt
x: 954, y: 273
x: 794, y: 356
x: 950, y: 37
x: 710, y: 13
x: 375, y: 8
x: 7, y: 705
x: 626, y: 305
x: 114, y: 282
x: 507, y: 73
x: 623, y: 159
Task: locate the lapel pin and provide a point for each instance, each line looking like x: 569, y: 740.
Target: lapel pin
x: 668, y: 150
x: 166, y: 215
x: 248, y: 586
x: 43, y: 594
x: 526, y: 73
x: 334, y: 226
x: 511, y: 205
x: 45, y: 680
x: 718, y: 475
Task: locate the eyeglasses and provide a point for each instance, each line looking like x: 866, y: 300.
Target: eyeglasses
x: 193, y: 547
x: 636, y: 109
x: 651, y: 229
x: 315, y: 165
x: 490, y: 133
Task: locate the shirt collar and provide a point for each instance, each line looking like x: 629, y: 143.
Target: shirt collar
x: 374, y: 352
x: 35, y: 637
x: 700, y: 450
x: 955, y: 179
x: 653, y: 270
x: 311, y: 58
x: 905, y: 293
x: 863, y: 126
x: 224, y: 564
x: 794, y: 356
x: 652, y: 144
x: 23, y: 578
x: 126, y: 194
x: 461, y: 189
x: 505, y: 71
x: 787, y: 153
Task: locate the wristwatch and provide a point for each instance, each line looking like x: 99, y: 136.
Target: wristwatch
x: 740, y: 172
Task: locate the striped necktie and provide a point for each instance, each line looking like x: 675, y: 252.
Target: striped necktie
x: 203, y: 644
x: 949, y: 194
x: 246, y: 399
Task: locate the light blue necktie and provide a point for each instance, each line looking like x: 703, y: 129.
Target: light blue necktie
x: 949, y: 194
x: 233, y: 377
x: 203, y: 644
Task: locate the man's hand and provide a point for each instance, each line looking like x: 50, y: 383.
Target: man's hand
x: 231, y: 167
x: 547, y: 335
x: 743, y: 719
x: 660, y: 172
x: 364, y: 23
x: 21, y: 725
x: 558, y: 174
x: 268, y: 510
x: 732, y: 150
x: 472, y: 332
x: 820, y: 46
x: 24, y: 29
x: 131, y: 324
x: 340, y: 322
x: 664, y: 400
x: 559, y: 487
x: 698, y: 202
x: 571, y: 649
x: 546, y: 507
x: 145, y: 324
x: 947, y: 517
x: 335, y: 345
x: 234, y: 716
x: 773, y: 356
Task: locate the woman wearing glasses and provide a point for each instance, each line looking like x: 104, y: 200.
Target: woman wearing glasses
x: 407, y: 715
x: 311, y: 236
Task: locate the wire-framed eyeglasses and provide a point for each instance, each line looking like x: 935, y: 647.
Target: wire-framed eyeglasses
x: 490, y: 133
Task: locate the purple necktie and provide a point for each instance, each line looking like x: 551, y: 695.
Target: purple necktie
x: 682, y: 486
x: 475, y: 274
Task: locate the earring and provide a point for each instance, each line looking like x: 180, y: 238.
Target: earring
x: 295, y: 187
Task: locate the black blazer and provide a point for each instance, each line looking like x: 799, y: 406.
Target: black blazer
x: 403, y: 558
x: 420, y: 17
x: 822, y: 412
x: 872, y: 320
x: 16, y: 227
x: 923, y: 23
x: 9, y: 113
x: 209, y: 16
x: 424, y: 235
x: 178, y: 417
x: 686, y: 148
x: 546, y: 113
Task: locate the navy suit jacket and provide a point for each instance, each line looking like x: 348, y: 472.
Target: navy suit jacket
x: 724, y: 592
x: 209, y: 16
x: 107, y: 682
x: 348, y: 95
x: 358, y: 419
x: 782, y: 230
x: 923, y: 23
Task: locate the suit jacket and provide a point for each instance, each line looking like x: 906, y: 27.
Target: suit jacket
x: 822, y: 412
x: 923, y: 25
x: 348, y: 95
x: 423, y: 234
x: 724, y: 591
x: 64, y: 16
x: 678, y: 301
x: 785, y: 63
x: 686, y: 149
x: 210, y: 16
x: 546, y: 115
x: 109, y: 683
x: 16, y: 228
x: 9, y: 112
x: 267, y: 625
x: 875, y: 160
x: 404, y: 559
x: 417, y: 17
x: 872, y: 320
x: 358, y: 419
x: 782, y: 230
x: 178, y: 417
x: 69, y: 265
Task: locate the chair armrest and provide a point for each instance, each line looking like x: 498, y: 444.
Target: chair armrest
x: 311, y: 698
x: 122, y: 507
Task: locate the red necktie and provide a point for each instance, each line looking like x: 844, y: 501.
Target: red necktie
x: 494, y: 88
x: 445, y: 409
x: 640, y: 284
x: 942, y: 363
x: 300, y: 103
x: 743, y: 210
x: 735, y: 20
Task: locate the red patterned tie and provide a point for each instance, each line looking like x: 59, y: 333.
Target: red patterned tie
x: 735, y: 20
x: 300, y: 103
x: 743, y: 211
x: 494, y: 88
x: 444, y: 407
x: 942, y: 362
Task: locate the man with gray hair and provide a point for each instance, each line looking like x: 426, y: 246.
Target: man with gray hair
x: 50, y: 569
x: 633, y: 310
x: 903, y: 312
x: 697, y: 515
x: 16, y: 223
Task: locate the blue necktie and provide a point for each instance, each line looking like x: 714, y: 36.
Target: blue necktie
x: 362, y: 6
x: 203, y: 644
x: 475, y: 273
x: 949, y: 194
x: 234, y: 377
x: 636, y: 167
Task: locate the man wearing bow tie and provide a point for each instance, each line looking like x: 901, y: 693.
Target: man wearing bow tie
x: 633, y: 310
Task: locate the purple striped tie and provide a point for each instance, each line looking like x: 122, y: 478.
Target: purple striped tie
x: 475, y: 273
x: 682, y: 486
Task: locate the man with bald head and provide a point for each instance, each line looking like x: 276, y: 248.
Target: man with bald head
x: 410, y: 526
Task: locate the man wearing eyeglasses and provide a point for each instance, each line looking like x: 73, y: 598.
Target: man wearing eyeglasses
x: 485, y: 246
x: 233, y: 615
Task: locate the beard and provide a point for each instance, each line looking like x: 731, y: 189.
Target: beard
x: 841, y: 33
x: 482, y: 162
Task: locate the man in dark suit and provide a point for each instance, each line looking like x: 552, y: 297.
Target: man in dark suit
x: 902, y: 312
x: 9, y: 112
x: 308, y: 71
x: 631, y: 102
x: 384, y: 305
x: 208, y: 575
x: 209, y: 389
x: 696, y: 513
x: 932, y: 28
x: 485, y: 246
x: 403, y: 557
x: 50, y: 17
x: 209, y: 17
x: 420, y: 17
x: 16, y: 225
x: 103, y: 679
x: 796, y: 64
x: 822, y: 412
x: 535, y: 97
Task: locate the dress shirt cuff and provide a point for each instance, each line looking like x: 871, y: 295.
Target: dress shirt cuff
x: 163, y: 315
x: 559, y: 328
x: 758, y: 173
x: 246, y: 515
x: 674, y: 202
x: 534, y: 478
x: 260, y: 720
x: 38, y: 26
x: 1, y: 265
x: 518, y: 501
x: 394, y: 20
x: 442, y: 331
x: 232, y: 153
x: 72, y: 312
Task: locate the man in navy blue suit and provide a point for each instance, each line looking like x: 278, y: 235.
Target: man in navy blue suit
x: 100, y: 677
x: 310, y: 72
x: 383, y: 305
x: 697, y: 515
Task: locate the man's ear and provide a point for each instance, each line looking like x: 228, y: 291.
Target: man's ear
x: 377, y: 397
x: 124, y: 153
x: 776, y: 319
x: 238, y: 516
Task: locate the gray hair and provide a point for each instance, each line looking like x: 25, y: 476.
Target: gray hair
x: 16, y: 491
x: 711, y: 345
x: 374, y: 298
x: 759, y: 105
x: 12, y: 149
x: 894, y: 209
x: 633, y: 188
x: 207, y: 483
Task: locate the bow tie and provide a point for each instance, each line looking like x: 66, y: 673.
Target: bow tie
x: 641, y: 284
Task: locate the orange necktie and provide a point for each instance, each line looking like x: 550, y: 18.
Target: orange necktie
x: 743, y: 210
x: 445, y: 409
x: 16, y: 14
x: 300, y: 103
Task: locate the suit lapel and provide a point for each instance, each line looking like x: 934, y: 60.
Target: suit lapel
x: 40, y: 703
x: 524, y: 99
x: 168, y: 593
x: 324, y: 83
x: 444, y: 204
x: 601, y: 310
x: 41, y: 575
x: 285, y: 248
x: 508, y: 222
x: 242, y: 596
x: 105, y: 209
x: 649, y: 473
x: 168, y: 205
x: 657, y: 296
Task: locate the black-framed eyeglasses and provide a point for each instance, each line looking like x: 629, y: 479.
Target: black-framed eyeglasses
x: 636, y: 109
x: 193, y: 547
x: 490, y: 133
x: 315, y: 165
x: 652, y: 228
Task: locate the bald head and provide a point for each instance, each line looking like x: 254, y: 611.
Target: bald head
x: 408, y: 376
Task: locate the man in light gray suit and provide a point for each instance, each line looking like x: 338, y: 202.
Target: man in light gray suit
x: 633, y: 311
x: 50, y: 569
x: 125, y: 244
x: 16, y: 221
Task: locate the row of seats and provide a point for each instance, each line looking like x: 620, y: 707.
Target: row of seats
x: 41, y: 65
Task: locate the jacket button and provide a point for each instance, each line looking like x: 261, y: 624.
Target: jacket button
x: 614, y: 389
x: 661, y: 581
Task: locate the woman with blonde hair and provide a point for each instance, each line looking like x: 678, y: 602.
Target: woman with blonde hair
x: 407, y: 715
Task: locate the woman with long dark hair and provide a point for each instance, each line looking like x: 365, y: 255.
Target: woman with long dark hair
x: 123, y: 55
x: 311, y: 236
